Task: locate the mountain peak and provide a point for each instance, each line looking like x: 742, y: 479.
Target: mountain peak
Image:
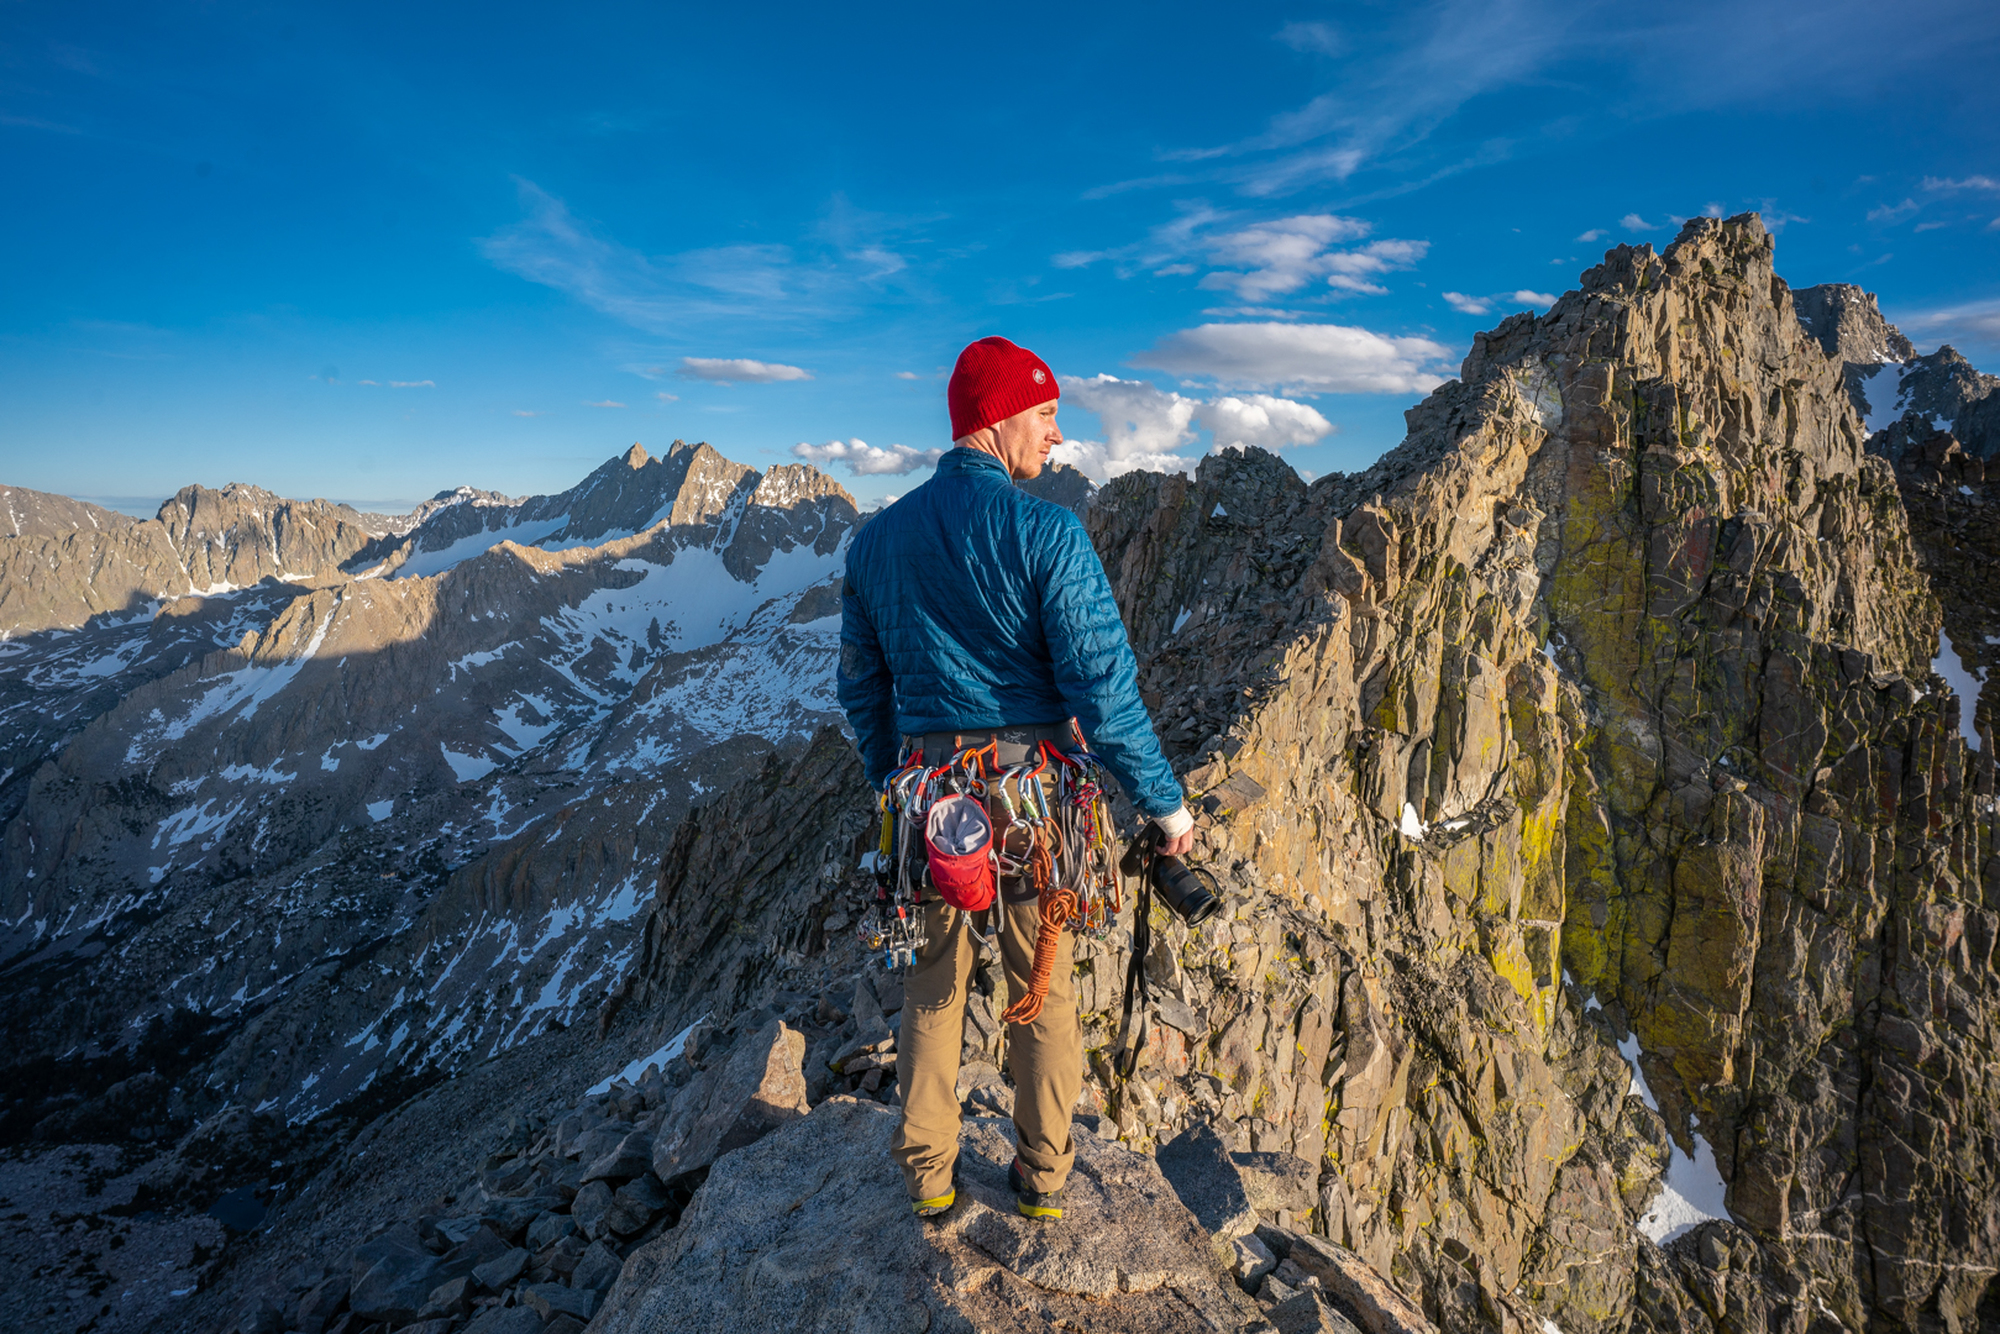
x: 637, y: 457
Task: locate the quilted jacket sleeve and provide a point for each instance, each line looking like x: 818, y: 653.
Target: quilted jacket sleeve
x: 1094, y: 666
x: 865, y: 687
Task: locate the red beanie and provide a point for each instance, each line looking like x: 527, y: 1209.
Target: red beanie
x: 994, y: 380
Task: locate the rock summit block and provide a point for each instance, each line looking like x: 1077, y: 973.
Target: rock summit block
x: 809, y: 1230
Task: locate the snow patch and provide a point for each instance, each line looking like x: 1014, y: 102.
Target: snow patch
x: 378, y: 811
x: 422, y: 564
x: 467, y: 768
x: 1693, y: 1190
x: 1883, y: 388
x: 636, y: 1071
x: 1412, y: 825
x: 1180, y: 621
x: 1965, y: 682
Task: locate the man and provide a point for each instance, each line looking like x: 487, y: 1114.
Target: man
x: 974, y: 612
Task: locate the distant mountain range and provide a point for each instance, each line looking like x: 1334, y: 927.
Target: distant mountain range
x: 392, y: 788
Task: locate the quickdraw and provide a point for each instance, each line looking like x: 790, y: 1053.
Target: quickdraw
x: 1057, y: 833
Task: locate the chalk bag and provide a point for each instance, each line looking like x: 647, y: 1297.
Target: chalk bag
x: 958, y: 841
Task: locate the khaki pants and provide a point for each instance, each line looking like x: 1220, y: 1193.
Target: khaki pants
x: 1045, y: 1057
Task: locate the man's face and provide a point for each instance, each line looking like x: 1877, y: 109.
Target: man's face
x: 1025, y: 439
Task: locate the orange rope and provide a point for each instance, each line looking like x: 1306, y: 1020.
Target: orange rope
x: 1058, y: 906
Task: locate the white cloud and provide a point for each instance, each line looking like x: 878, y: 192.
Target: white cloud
x: 908, y: 375
x: 666, y: 397
x: 1351, y: 267
x: 1140, y: 419
x: 728, y: 370
x: 1632, y: 222
x: 604, y: 403
x: 865, y: 460
x: 1893, y: 212
x: 1149, y: 427
x: 1331, y: 358
x: 1263, y: 420
x: 1469, y: 305
x: 1280, y: 256
x: 1261, y: 260
x: 1594, y: 234
x: 523, y: 412
x: 1527, y: 298
x: 1945, y: 183
x: 413, y: 384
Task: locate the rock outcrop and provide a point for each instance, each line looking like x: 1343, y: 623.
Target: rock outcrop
x: 1602, y: 723
x: 836, y: 1247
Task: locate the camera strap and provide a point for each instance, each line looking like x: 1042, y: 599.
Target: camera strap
x: 1136, y: 986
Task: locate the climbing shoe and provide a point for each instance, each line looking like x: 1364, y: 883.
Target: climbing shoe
x: 932, y: 1208
x: 1033, y: 1203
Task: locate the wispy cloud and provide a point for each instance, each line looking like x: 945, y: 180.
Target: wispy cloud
x: 37, y: 123
x: 666, y: 397
x: 524, y: 412
x: 1528, y: 298
x: 1973, y: 322
x: 908, y: 375
x: 1594, y: 234
x: 413, y: 384
x: 1893, y: 212
x: 1321, y: 39
x: 1469, y: 305
x: 663, y: 294
x: 739, y: 370
x: 1946, y: 185
x: 1318, y: 358
x: 1390, y: 90
x: 862, y: 459
x: 1261, y: 260
x: 1632, y: 222
x: 604, y: 403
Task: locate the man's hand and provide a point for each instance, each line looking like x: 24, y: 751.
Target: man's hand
x: 1176, y: 833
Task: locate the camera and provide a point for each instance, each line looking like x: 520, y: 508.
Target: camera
x: 1189, y: 890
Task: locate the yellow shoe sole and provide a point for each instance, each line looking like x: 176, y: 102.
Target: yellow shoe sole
x: 1048, y: 1211
x: 927, y: 1208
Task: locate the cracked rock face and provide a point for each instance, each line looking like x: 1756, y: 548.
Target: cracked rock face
x: 1599, y: 712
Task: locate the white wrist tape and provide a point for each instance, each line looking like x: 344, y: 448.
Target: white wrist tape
x: 1173, y: 826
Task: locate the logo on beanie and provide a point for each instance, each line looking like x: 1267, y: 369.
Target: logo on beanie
x: 1040, y: 378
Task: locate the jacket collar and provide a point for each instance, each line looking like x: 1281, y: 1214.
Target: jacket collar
x: 959, y: 461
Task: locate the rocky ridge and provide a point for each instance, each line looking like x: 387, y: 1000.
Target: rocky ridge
x: 1888, y: 380
x: 397, y: 823
x: 201, y: 543
x: 1609, y: 932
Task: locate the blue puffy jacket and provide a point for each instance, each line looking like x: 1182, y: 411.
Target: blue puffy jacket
x: 970, y: 603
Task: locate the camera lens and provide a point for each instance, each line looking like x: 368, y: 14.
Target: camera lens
x: 1189, y: 891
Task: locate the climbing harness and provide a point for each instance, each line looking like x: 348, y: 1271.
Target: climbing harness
x: 1056, y: 837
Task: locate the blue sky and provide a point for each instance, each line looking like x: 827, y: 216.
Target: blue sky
x: 370, y: 252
